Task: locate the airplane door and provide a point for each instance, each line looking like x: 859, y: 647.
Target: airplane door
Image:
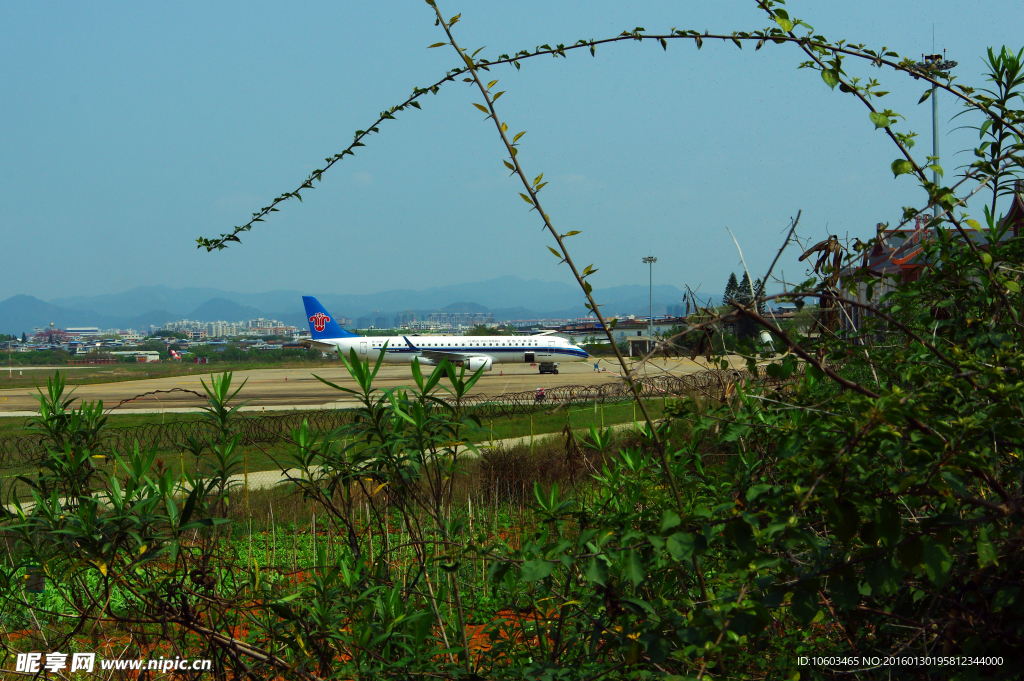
x: 362, y: 347
x: 529, y: 358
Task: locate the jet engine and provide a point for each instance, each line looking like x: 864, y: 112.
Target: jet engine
x: 475, y: 363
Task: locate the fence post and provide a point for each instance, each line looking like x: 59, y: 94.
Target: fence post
x: 245, y: 470
x: 531, y: 433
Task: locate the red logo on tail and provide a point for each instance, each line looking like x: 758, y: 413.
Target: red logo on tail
x: 319, y: 321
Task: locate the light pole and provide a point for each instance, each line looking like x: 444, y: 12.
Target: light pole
x: 649, y: 261
x: 935, y: 65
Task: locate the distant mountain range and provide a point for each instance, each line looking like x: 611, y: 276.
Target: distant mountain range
x: 505, y: 297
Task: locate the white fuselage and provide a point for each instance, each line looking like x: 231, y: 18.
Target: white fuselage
x: 500, y: 349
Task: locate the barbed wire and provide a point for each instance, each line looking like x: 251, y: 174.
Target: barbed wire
x: 157, y: 392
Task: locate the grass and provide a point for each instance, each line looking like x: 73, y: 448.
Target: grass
x: 543, y: 421
x: 273, y: 456
x: 551, y: 421
x: 115, y: 373
x: 272, y: 531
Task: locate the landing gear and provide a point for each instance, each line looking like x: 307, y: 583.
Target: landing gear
x: 548, y: 367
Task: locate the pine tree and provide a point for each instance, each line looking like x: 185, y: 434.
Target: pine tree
x: 743, y: 292
x: 762, y: 309
x: 732, y: 288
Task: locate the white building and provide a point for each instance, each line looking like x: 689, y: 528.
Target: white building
x: 82, y: 331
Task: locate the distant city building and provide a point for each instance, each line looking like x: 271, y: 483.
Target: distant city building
x: 458, y: 321
x: 536, y: 323
x: 364, y: 322
x: 428, y: 326
x: 222, y: 329
x: 51, y: 336
x: 627, y: 326
x: 82, y: 331
x: 404, y: 319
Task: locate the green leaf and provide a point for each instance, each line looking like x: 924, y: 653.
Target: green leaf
x: 1012, y: 286
x: 597, y: 571
x: 831, y: 77
x: 843, y: 589
x: 526, y: 198
x: 937, y: 561
x: 669, y: 519
x: 481, y: 107
x: 973, y: 224
x: 437, y: 45
x: 572, y: 233
x: 786, y: 24
x: 805, y: 606
x: 680, y: 545
x: 533, y: 570
x: 986, y: 259
x: 634, y: 568
x: 813, y: 374
x: 888, y: 523
x: 518, y: 135
x: 556, y: 253
x: 901, y: 166
x: 884, y: 576
x: 1005, y: 597
x: 987, y: 554
x: 757, y: 490
x: 205, y: 522
x: 926, y: 95
x: 879, y: 119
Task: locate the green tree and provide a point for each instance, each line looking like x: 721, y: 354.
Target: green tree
x: 163, y: 333
x: 870, y: 507
x: 743, y: 288
x: 731, y: 287
x: 484, y: 330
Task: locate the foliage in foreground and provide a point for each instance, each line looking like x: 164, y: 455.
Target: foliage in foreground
x: 871, y: 507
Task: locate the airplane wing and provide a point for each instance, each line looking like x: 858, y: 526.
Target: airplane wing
x: 316, y: 345
x: 436, y: 356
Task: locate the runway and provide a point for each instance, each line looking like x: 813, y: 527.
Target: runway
x: 291, y: 388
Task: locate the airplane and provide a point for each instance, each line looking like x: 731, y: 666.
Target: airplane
x: 473, y: 352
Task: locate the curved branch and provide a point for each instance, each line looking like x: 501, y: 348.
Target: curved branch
x: 761, y: 37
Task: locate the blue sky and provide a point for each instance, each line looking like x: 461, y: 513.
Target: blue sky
x: 129, y: 129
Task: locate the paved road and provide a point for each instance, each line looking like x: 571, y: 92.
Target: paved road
x: 289, y: 388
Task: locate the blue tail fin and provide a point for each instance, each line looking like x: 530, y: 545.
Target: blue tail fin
x: 322, y: 324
